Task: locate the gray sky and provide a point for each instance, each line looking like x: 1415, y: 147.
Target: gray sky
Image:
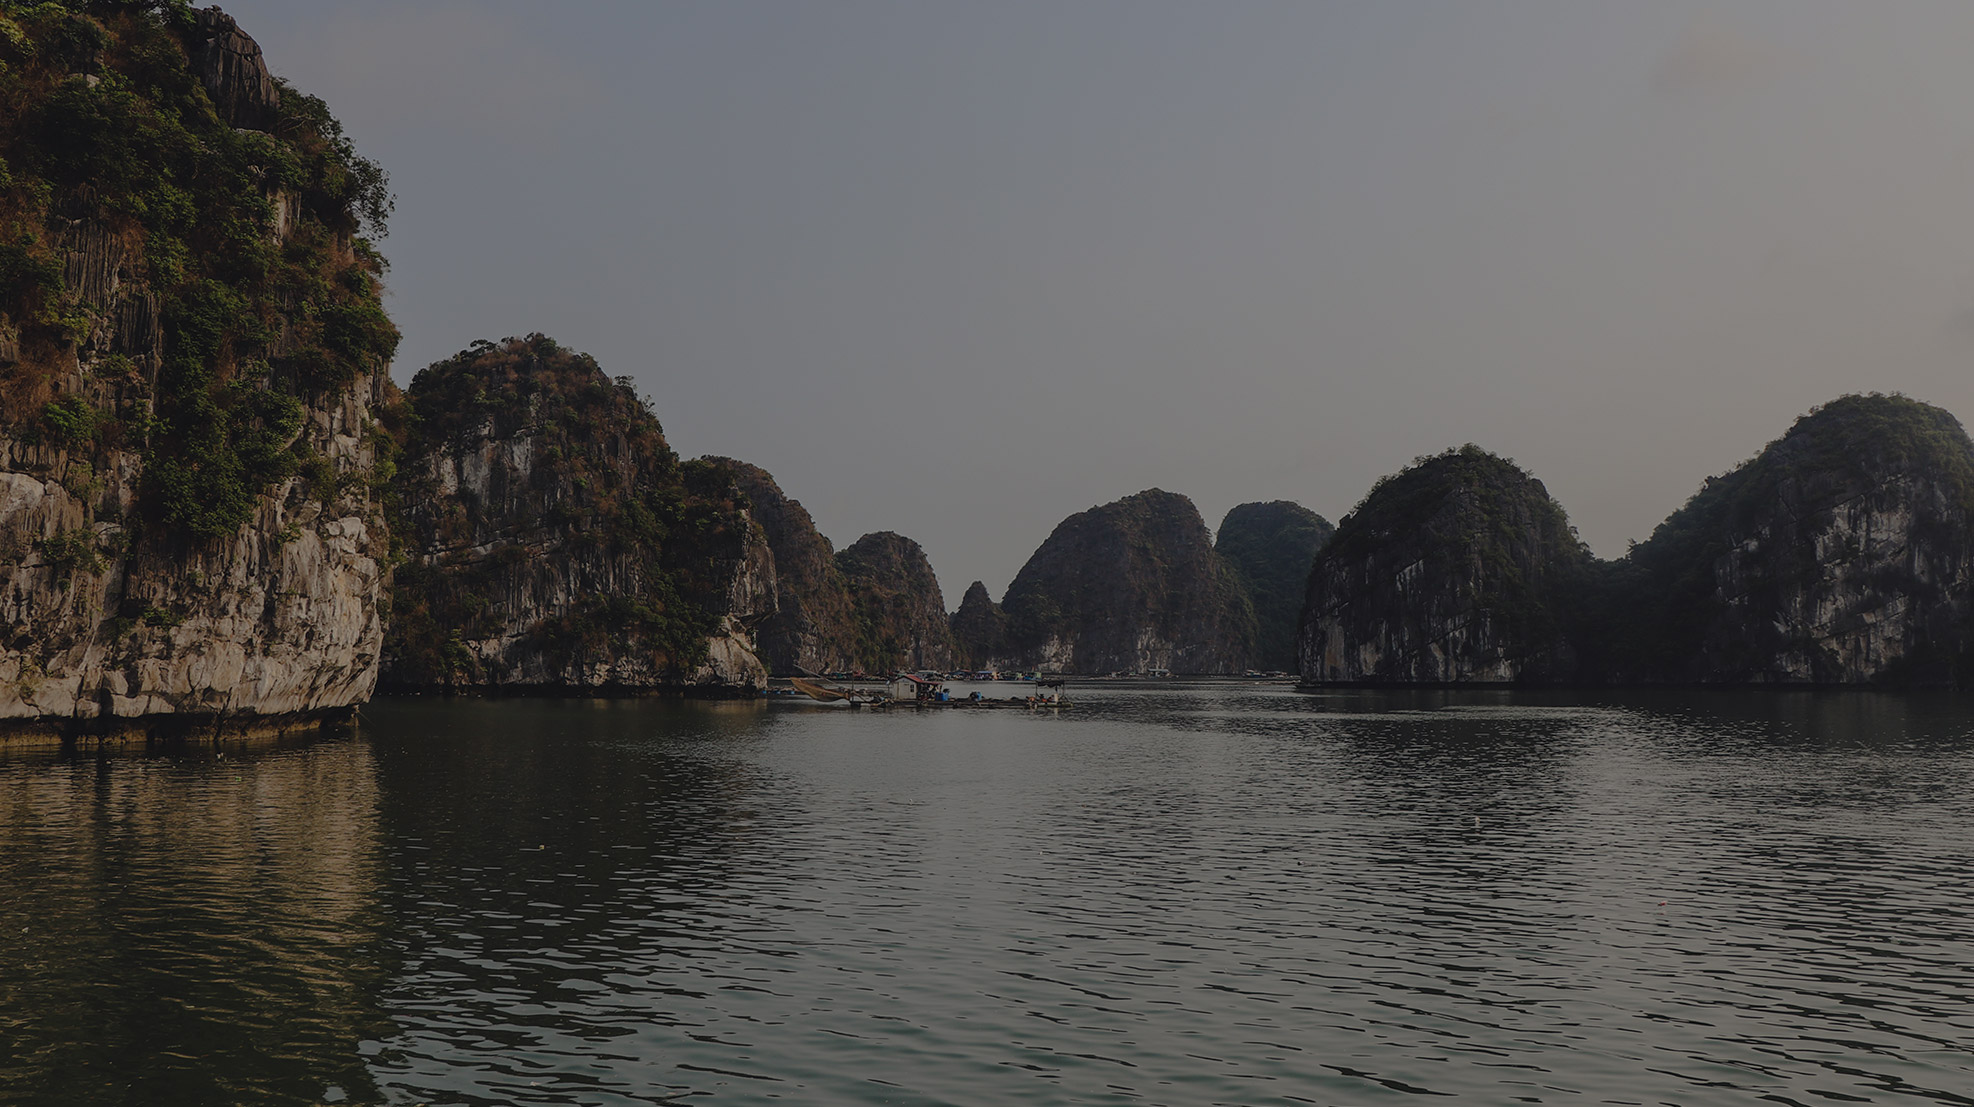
x: 960, y: 270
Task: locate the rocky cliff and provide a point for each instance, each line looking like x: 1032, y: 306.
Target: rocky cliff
x: 192, y: 346
x: 555, y: 542
x: 899, y: 611
x: 980, y: 629
x: 813, y: 628
x: 1271, y: 547
x: 1843, y: 553
x: 1459, y: 569
x: 872, y: 608
x: 1130, y: 585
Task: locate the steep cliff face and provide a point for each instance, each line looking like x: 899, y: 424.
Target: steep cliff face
x: 555, y: 542
x: 192, y: 346
x: 1842, y: 553
x: 1271, y: 546
x: 980, y: 629
x: 871, y: 608
x: 1458, y: 569
x: 1130, y: 585
x: 900, y: 613
x: 813, y: 628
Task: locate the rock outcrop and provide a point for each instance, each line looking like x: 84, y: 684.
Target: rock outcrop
x: 872, y: 608
x: 229, y: 64
x: 1272, y: 546
x: 1460, y: 569
x: 980, y: 629
x: 1842, y: 554
x: 556, y: 543
x: 813, y: 628
x: 1131, y: 585
x: 900, y: 613
x: 192, y: 352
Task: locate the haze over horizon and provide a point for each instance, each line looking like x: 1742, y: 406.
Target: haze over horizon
x: 959, y: 271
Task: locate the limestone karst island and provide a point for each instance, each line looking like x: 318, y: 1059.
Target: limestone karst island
x: 217, y: 509
x: 834, y: 554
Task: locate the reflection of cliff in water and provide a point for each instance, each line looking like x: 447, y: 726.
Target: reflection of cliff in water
x: 188, y: 929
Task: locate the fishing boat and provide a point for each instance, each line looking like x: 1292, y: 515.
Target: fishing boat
x: 1048, y: 694
x: 855, y: 697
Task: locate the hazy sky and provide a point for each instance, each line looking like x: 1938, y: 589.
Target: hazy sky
x: 960, y: 270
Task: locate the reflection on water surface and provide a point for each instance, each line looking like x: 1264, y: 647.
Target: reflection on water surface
x: 1176, y: 894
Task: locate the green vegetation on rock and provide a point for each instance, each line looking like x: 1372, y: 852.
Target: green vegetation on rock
x: 147, y: 145
x: 565, y: 537
x: 871, y: 608
x: 1843, y: 553
x: 1272, y: 546
x: 1459, y: 568
x: 980, y: 629
x: 899, y: 612
x: 1713, y: 594
x: 1130, y: 585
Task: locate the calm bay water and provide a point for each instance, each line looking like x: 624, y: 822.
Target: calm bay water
x: 1188, y: 894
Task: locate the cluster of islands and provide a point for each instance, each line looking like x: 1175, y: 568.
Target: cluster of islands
x: 216, y: 509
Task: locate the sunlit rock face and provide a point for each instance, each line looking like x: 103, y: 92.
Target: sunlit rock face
x: 556, y: 543
x: 110, y: 625
x: 1457, y: 570
x: 1842, y: 553
x: 1132, y: 585
x: 193, y: 354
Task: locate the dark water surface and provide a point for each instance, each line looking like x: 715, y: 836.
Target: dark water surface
x: 1181, y: 895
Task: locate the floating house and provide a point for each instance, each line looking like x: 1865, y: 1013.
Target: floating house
x: 911, y: 688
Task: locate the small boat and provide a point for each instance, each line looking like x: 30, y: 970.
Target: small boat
x: 817, y: 692
x: 855, y: 697
x: 1048, y: 694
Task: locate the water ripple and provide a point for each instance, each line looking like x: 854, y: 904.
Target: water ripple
x: 1174, y: 895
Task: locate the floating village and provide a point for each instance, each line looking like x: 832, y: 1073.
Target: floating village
x: 929, y: 688
x: 926, y: 689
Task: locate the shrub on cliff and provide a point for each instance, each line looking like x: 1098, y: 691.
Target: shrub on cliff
x: 1132, y: 584
x: 1667, y: 612
x: 1271, y: 547
x: 587, y: 542
x: 1460, y: 567
x: 238, y: 213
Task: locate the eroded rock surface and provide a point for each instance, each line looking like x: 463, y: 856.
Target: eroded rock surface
x: 556, y: 543
x: 813, y: 627
x: 192, y: 356
x: 1460, y: 569
x: 229, y: 63
x: 1843, y: 553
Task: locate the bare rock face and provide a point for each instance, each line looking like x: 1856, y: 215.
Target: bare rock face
x: 1843, y: 553
x: 230, y: 65
x: 113, y: 628
x: 189, y: 531
x: 1131, y: 585
x: 874, y: 607
x: 556, y: 543
x: 813, y: 628
x: 1460, y: 569
x: 901, y: 615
